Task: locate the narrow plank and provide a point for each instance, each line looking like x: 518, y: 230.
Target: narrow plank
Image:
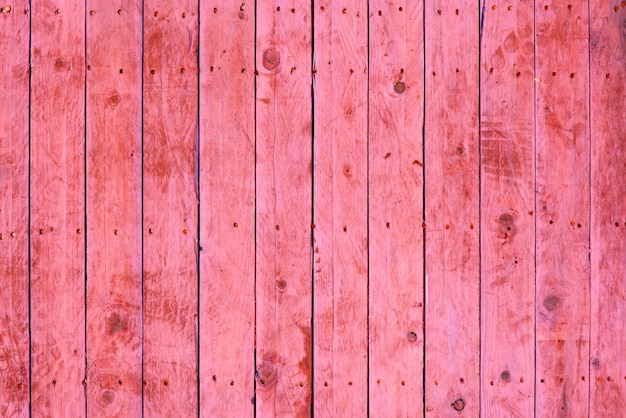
x: 507, y: 209
x: 451, y: 204
x: 58, y: 209
x: 227, y: 222
x: 340, y: 209
x: 114, y: 290
x: 562, y: 227
x: 170, y: 208
x: 14, y: 88
x: 284, y: 205
x: 608, y: 207
x: 396, y: 269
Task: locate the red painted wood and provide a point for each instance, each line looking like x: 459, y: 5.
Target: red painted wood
x: 395, y: 208
x: 340, y: 235
x: 14, y: 138
x: 170, y: 208
x: 608, y: 208
x: 507, y: 210
x: 58, y: 209
x: 227, y: 221
x: 562, y: 241
x: 452, y: 209
x: 114, y: 289
x: 283, y: 229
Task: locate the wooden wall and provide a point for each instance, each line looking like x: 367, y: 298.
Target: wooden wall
x: 288, y: 208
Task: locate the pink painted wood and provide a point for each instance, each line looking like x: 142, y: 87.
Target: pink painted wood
x: 507, y: 209
x: 227, y: 222
x: 340, y: 235
x: 170, y: 208
x: 452, y: 209
x: 114, y: 288
x: 284, y: 206
x: 395, y: 161
x: 562, y: 241
x: 14, y: 97
x: 58, y: 209
x: 608, y: 208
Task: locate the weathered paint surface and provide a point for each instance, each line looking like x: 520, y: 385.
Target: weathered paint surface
x: 286, y: 208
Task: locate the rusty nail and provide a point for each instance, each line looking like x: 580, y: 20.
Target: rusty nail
x: 57, y: 11
x: 165, y: 382
x: 116, y: 232
x: 378, y: 381
x: 325, y: 383
x: 350, y: 383
x: 79, y: 231
x: 277, y: 227
x: 156, y: 14
x: 436, y: 382
x: 119, y: 11
x: 12, y: 233
x: 6, y: 9
x: 235, y: 224
x: 184, y: 15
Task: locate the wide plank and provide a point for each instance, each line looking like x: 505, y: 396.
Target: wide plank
x: 507, y: 206
x: 227, y: 204
x: 607, y: 81
x: 57, y: 209
x: 340, y: 209
x: 395, y: 163
x: 14, y: 144
x: 114, y: 238
x: 451, y: 204
x: 283, y: 211
x: 170, y: 208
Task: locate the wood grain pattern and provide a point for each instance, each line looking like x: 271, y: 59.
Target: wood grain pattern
x: 114, y: 289
x: 608, y: 208
x: 227, y: 200
x: 14, y: 139
x: 58, y: 209
x: 562, y: 240
x: 395, y: 208
x: 170, y: 208
x: 284, y: 202
x: 340, y: 200
x: 452, y: 237
x: 507, y: 209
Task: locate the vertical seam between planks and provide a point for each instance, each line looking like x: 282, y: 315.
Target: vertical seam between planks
x: 312, y: 381
x: 30, y: 96
x: 254, y: 355
x: 589, y: 218
x: 85, y: 202
x: 143, y: 392
x: 197, y: 179
x: 367, y: 223
x: 535, y: 203
x: 481, y: 21
x: 424, y: 282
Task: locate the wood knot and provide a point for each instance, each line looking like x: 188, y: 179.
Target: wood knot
x: 458, y: 404
x: 551, y: 302
x: 505, y: 375
x: 271, y: 59
x: 399, y: 87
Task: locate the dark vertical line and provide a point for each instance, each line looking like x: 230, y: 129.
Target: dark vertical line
x: 367, y: 133
x: 424, y: 290
x: 198, y: 212
x: 85, y: 98
x: 312, y: 208
x: 30, y: 104
x: 589, y: 220
x: 535, y: 204
x: 481, y: 22
x: 254, y: 400
x: 143, y: 310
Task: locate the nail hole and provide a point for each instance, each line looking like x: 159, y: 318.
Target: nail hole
x: 121, y: 71
x: 119, y: 11
x: 278, y: 9
x: 491, y: 383
x: 152, y: 72
x: 608, y: 75
x: 165, y: 382
x: 403, y: 383
x: 542, y: 380
x: 92, y: 12
x: 184, y: 15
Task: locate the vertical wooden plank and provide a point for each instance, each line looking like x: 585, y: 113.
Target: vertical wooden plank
x: 395, y: 161
x: 608, y: 207
x: 114, y: 290
x: 507, y: 209
x: 340, y: 209
x: 452, y: 208
x: 562, y: 173
x: 283, y: 184
x: 170, y: 208
x: 58, y: 208
x: 227, y: 223
x: 14, y: 95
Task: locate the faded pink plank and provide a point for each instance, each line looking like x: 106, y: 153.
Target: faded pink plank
x: 608, y: 208
x: 114, y: 319
x: 451, y: 162
x: 170, y: 208
x: 14, y: 86
x: 283, y: 229
x: 340, y: 209
x: 507, y: 210
x: 227, y: 222
x: 58, y: 209
x: 562, y: 227
x: 396, y: 293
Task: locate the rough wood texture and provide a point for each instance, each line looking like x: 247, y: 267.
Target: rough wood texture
x: 58, y: 209
x: 284, y: 203
x: 562, y: 227
x: 340, y: 215
x: 452, y: 209
x: 507, y: 209
x: 114, y: 290
x: 608, y: 208
x: 395, y: 207
x: 170, y: 208
x: 14, y: 316
x: 227, y: 223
